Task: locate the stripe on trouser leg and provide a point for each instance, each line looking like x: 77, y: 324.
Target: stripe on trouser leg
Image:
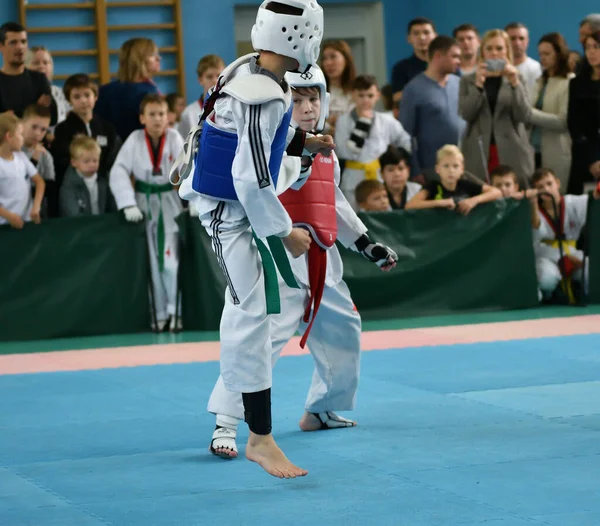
x: 218, y: 248
x: 259, y: 159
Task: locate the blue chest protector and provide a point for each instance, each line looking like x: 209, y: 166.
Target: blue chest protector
x: 214, y: 159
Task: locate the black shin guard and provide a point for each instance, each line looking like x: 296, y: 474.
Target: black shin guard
x: 257, y: 411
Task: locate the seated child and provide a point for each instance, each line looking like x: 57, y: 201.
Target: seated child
x: 363, y: 135
x: 208, y: 70
x: 372, y: 196
x: 17, y: 175
x: 452, y: 191
x: 82, y: 192
x: 395, y: 170
x: 36, y: 121
x: 504, y: 178
x: 552, y: 263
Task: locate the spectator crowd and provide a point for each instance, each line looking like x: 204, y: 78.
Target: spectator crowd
x: 467, y: 119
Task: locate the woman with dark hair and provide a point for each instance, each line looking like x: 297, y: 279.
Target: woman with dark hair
x: 583, y: 118
x: 550, y: 101
x: 339, y: 70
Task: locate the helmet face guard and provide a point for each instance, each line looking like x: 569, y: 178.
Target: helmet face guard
x: 296, y: 34
x: 312, y: 78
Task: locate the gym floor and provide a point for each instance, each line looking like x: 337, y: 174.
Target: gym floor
x: 462, y: 420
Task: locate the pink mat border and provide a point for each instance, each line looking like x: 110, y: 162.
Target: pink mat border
x: 161, y: 354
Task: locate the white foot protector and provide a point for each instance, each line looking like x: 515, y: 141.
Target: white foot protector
x: 329, y: 420
x: 223, y: 443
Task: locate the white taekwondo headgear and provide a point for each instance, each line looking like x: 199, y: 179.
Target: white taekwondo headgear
x: 295, y: 35
x: 313, y: 78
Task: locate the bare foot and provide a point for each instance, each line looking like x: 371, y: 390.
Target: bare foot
x: 311, y: 422
x: 263, y: 450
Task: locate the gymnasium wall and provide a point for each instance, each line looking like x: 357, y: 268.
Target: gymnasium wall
x: 208, y: 26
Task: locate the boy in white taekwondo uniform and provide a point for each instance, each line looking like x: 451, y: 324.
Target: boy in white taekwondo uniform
x: 147, y: 157
x: 334, y: 341
x: 244, y: 131
x: 553, y: 262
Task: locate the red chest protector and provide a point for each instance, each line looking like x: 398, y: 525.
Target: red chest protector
x: 313, y: 207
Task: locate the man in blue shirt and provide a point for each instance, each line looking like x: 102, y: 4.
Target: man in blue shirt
x: 429, y: 108
x: 421, y: 32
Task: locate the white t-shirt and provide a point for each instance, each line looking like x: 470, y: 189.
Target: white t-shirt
x: 530, y: 70
x: 16, y: 179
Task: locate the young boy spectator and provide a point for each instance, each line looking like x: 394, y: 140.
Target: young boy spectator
x: 505, y: 179
x: 208, y: 71
x: 17, y: 175
x: 176, y: 105
x: 146, y: 157
x: 363, y: 135
x: 395, y: 171
x: 390, y: 106
x: 36, y: 121
x: 555, y: 262
x: 83, y: 193
x: 452, y: 191
x: 82, y: 93
x: 372, y: 196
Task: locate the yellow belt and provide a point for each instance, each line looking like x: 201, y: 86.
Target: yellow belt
x: 555, y: 243
x: 371, y: 169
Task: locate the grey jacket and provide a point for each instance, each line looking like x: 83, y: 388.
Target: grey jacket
x: 511, y: 114
x: 75, y: 199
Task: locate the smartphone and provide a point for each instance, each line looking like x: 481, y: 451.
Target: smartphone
x: 495, y: 65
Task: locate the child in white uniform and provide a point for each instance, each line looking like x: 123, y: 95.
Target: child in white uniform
x: 334, y: 340
x: 17, y: 175
x: 147, y: 156
x: 548, y: 230
x: 244, y: 132
x: 363, y: 135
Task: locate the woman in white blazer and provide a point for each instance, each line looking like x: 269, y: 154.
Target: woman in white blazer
x: 550, y: 100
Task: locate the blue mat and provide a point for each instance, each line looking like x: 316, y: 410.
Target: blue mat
x: 503, y: 433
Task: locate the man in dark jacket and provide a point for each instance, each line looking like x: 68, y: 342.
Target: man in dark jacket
x: 19, y: 87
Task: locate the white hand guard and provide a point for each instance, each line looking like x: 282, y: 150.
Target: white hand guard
x: 133, y: 214
x: 374, y: 252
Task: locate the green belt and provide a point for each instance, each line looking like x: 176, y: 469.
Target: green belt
x: 277, y: 256
x: 156, y: 189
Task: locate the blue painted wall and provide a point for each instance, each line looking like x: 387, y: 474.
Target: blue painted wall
x: 208, y: 26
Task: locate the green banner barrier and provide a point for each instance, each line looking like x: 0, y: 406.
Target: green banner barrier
x: 201, y: 280
x: 89, y: 276
x: 594, y: 250
x: 73, y: 277
x: 482, y: 262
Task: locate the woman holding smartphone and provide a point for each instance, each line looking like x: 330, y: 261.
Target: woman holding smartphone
x: 494, y: 102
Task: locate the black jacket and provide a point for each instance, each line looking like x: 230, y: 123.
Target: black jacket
x: 104, y: 133
x: 583, y: 121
